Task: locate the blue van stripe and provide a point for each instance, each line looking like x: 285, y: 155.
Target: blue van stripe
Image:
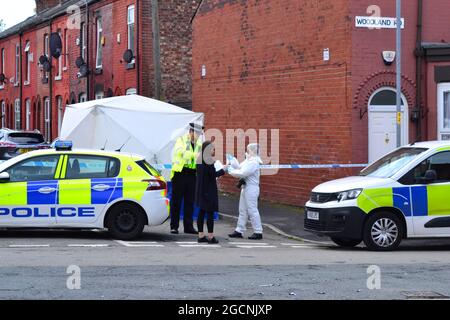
x: 103, y: 197
x: 420, y: 201
x: 402, y: 200
x: 36, y: 198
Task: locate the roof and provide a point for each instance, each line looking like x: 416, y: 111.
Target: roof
x: 42, y: 17
x: 431, y: 144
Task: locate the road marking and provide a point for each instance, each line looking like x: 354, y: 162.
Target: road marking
x: 186, y: 242
x: 200, y: 246
x: 89, y: 245
x: 251, y: 247
x: 249, y: 243
x: 29, y: 245
x: 135, y: 244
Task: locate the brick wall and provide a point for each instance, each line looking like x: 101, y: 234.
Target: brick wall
x: 265, y: 69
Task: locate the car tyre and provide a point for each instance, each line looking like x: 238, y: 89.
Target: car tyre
x: 346, y: 243
x: 383, y: 232
x: 125, y: 221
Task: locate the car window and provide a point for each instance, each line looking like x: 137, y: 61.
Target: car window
x: 26, y: 138
x: 440, y: 163
x: 35, y: 169
x: 89, y: 167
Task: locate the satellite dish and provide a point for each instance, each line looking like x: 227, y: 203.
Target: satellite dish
x: 128, y: 56
x: 84, y: 71
x: 2, y: 78
x: 79, y: 62
x: 55, y: 45
x: 47, y: 66
x: 42, y: 59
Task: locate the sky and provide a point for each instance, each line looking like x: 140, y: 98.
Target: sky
x: 15, y: 11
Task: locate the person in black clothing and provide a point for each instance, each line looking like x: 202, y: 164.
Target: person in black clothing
x: 206, y: 195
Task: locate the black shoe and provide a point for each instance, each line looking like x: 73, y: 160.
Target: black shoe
x: 191, y: 231
x: 174, y: 231
x: 256, y: 236
x: 235, y: 234
x: 213, y: 240
x: 202, y: 240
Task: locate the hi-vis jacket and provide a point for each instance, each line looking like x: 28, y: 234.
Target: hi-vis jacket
x: 184, y: 155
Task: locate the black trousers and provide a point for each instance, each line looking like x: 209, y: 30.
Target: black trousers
x: 183, y: 187
x: 209, y: 220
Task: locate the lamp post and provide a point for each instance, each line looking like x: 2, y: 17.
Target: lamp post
x: 399, y: 72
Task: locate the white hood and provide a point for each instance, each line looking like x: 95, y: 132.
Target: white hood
x: 350, y: 183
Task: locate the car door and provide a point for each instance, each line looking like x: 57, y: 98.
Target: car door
x: 430, y: 194
x: 88, y: 183
x: 29, y: 197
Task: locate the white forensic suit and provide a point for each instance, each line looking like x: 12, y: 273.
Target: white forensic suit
x: 249, y: 170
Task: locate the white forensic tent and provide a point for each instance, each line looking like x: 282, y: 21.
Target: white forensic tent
x: 141, y: 125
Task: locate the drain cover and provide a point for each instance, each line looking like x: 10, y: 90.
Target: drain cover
x: 425, y: 295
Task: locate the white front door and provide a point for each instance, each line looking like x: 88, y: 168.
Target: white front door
x: 443, y: 111
x: 383, y: 130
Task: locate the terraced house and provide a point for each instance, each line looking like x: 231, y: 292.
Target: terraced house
x: 72, y: 51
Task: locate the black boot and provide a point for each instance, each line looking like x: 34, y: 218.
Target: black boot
x: 256, y: 236
x: 235, y: 234
x: 213, y: 240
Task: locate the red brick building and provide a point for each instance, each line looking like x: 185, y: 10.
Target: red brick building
x: 96, y: 34
x: 315, y: 70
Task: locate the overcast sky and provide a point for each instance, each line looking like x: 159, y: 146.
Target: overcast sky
x: 15, y: 11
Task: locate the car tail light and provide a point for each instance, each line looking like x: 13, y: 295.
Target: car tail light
x: 155, y: 184
x: 7, y: 145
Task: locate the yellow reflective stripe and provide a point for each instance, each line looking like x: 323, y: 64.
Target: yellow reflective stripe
x: 438, y: 204
x: 13, y: 193
x: 371, y: 199
x: 443, y: 149
x: 64, y: 168
x: 58, y: 168
x: 75, y: 191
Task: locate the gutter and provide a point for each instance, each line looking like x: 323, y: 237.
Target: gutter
x: 419, y: 54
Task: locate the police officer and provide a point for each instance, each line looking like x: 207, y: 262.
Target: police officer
x: 186, y: 150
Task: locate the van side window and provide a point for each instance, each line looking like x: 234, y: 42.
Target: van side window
x: 439, y: 163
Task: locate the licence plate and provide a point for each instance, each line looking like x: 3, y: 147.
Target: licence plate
x: 24, y: 150
x: 312, y: 215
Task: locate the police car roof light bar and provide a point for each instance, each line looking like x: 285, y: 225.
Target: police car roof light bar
x: 63, y: 145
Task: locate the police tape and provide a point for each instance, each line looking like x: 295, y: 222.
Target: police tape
x: 289, y: 166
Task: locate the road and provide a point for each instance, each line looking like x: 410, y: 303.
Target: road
x: 34, y: 265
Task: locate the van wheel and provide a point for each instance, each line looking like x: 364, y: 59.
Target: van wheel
x: 383, y: 232
x: 125, y: 221
x: 346, y: 243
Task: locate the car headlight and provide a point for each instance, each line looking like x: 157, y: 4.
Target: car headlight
x: 349, y: 195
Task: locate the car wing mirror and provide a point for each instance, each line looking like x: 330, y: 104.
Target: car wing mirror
x: 4, y: 177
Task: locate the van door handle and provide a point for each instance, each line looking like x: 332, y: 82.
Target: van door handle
x: 101, y: 187
x: 46, y: 190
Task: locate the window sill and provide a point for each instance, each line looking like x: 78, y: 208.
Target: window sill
x: 16, y: 84
x: 58, y: 78
x: 26, y: 83
x: 130, y: 66
x: 98, y: 71
x: 65, y: 69
x: 2, y: 87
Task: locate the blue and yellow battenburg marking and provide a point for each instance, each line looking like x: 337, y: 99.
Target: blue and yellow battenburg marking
x: 415, y: 201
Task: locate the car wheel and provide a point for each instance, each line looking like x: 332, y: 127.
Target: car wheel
x: 125, y: 221
x: 346, y: 243
x: 383, y: 232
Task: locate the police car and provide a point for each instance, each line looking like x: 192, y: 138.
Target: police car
x: 65, y: 188
x: 405, y: 194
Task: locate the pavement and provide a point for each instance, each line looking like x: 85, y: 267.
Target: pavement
x: 287, y: 219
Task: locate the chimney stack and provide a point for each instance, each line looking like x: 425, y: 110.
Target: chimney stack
x: 42, y: 5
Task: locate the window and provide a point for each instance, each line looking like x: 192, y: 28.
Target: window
x: 131, y: 33
x: 82, y: 97
x: 59, y: 102
x: 47, y: 120
x: 17, y: 64
x: 99, y: 95
x: 46, y: 53
x: 66, y: 49
x: 385, y: 98
x: 438, y: 163
x: 17, y: 114
x: 59, y: 74
x: 27, y: 114
x: 387, y: 166
x: 27, y: 62
x: 83, y: 46
x: 131, y: 91
x: 99, y: 59
x: 2, y: 65
x: 89, y: 167
x: 35, y: 169
x: 3, y: 106
x: 446, y: 117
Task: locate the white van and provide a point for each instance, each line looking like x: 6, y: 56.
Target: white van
x: 405, y: 194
